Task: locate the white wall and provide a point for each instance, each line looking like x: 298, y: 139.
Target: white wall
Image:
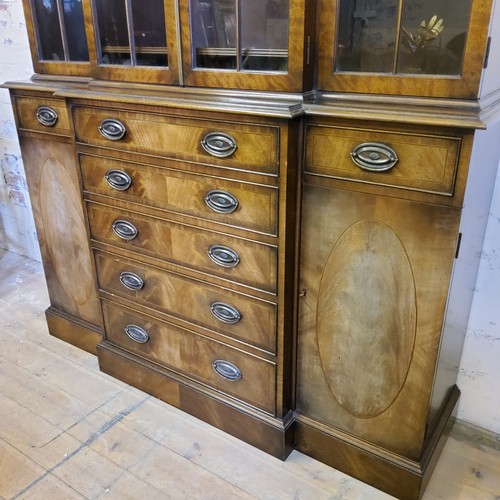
x: 479, y: 377
x: 17, y: 229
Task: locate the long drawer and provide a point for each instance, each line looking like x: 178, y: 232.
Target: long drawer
x: 419, y: 162
x: 250, y: 206
x: 236, y: 259
x: 245, y: 377
x: 247, y: 319
x: 251, y: 147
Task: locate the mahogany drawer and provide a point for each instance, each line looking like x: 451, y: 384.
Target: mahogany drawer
x: 229, y: 313
x: 244, y: 205
x: 255, y: 146
x: 224, y: 368
x: 243, y: 261
x: 42, y: 115
x: 425, y: 163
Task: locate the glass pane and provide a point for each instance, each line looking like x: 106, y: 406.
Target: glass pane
x: 213, y: 32
x: 75, y: 30
x: 49, y: 30
x: 433, y: 36
x: 367, y: 33
x: 264, y: 34
x: 113, y: 31
x: 149, y: 32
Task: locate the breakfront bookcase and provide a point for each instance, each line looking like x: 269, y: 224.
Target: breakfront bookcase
x: 269, y: 213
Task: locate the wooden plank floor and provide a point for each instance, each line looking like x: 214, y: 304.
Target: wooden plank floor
x: 68, y: 431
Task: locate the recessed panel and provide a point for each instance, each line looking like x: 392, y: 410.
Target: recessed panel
x: 65, y: 232
x: 366, y: 318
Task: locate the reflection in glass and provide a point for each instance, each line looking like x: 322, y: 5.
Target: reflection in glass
x: 264, y: 34
x: 149, y: 32
x: 75, y: 30
x: 113, y: 33
x: 49, y: 30
x: 402, y: 36
x: 213, y: 28
x: 61, y: 33
x: 258, y: 42
x: 367, y: 35
x: 132, y: 32
x: 433, y: 37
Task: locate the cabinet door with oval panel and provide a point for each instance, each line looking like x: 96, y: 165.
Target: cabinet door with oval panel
x: 74, y: 313
x: 374, y: 289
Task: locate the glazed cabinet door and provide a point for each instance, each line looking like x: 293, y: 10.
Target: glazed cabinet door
x: 247, y: 44
x: 74, y: 312
x: 374, y: 277
x: 124, y: 40
x: 403, y: 47
x: 136, y: 40
x: 58, y: 38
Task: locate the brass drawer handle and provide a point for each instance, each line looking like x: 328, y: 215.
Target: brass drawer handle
x: 125, y: 230
x: 112, y: 129
x: 46, y: 116
x: 374, y: 156
x: 118, y: 179
x: 223, y: 256
x: 221, y: 202
x: 226, y: 370
x: 137, y: 334
x: 131, y: 281
x: 219, y: 144
x: 225, y: 313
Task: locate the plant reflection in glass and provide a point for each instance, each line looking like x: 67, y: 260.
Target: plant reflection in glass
x: 427, y: 33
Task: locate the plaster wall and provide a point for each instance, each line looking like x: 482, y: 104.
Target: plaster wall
x: 17, y: 228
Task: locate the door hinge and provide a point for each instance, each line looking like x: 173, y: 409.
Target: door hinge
x: 487, y: 53
x: 458, y: 245
x: 308, y: 51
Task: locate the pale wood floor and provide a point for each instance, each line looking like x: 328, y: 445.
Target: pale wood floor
x: 68, y: 431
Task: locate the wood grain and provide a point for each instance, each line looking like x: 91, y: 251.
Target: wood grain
x: 420, y: 252
x: 188, y: 246
x: 366, y: 316
x: 26, y: 108
x: 191, y: 300
x: 465, y: 85
x: 55, y: 195
x: 180, y: 138
x: 193, y: 356
x: 78, y: 333
x: 425, y: 162
x: 66, y: 69
x: 125, y: 427
x: 292, y: 79
x: 185, y: 193
x: 167, y: 75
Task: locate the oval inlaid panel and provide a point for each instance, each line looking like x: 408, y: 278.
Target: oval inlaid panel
x: 366, y: 318
x: 65, y: 231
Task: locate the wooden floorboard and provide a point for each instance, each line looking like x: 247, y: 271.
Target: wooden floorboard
x: 68, y: 431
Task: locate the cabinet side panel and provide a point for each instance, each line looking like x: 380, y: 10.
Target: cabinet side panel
x: 482, y: 173
x: 490, y: 82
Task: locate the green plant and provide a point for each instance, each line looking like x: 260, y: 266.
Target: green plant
x: 427, y: 33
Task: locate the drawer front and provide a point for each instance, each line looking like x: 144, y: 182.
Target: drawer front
x: 248, y: 378
x: 242, y: 261
x: 238, y: 316
x: 249, y: 206
x: 247, y: 147
x: 42, y: 115
x: 424, y: 162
